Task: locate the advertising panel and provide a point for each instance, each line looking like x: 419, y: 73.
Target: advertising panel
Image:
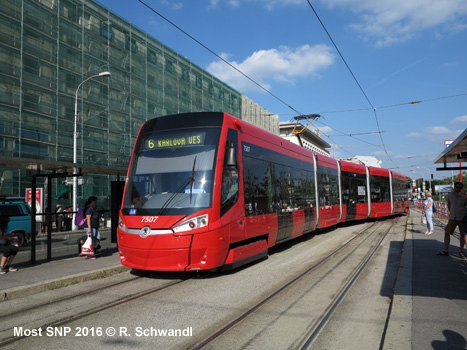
x: 39, y: 201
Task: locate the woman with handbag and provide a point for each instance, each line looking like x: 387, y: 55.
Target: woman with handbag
x: 92, y: 223
x: 428, y: 212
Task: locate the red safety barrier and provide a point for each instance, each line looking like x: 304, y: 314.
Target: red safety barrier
x: 441, y: 209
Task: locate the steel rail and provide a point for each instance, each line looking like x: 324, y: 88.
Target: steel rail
x: 281, y: 289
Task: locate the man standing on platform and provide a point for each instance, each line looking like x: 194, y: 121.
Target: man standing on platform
x: 457, y: 202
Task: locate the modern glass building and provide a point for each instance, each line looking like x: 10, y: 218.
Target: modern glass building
x: 47, y: 49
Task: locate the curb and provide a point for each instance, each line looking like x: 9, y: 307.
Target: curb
x: 399, y: 329
x: 17, y: 292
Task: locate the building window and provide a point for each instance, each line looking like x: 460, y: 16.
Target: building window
x: 152, y: 57
x: 130, y: 44
x: 105, y: 30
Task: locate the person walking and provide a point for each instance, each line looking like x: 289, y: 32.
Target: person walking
x: 428, y: 212
x: 457, y: 202
x: 59, y: 217
x: 92, y: 223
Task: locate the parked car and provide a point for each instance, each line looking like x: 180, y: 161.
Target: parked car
x: 20, y: 218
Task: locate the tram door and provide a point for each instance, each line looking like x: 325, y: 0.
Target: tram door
x: 351, y: 211
x: 284, y: 192
x: 285, y: 221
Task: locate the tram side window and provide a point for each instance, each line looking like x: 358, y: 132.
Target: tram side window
x: 310, y: 197
x: 283, y: 184
x: 294, y: 189
x: 229, y: 188
x: 353, y: 188
x: 328, y: 186
x: 379, y: 187
x: 348, y: 188
x: 299, y: 188
x: 361, y: 189
x: 273, y: 187
x: 229, y: 193
x: 257, y: 182
x: 400, y: 190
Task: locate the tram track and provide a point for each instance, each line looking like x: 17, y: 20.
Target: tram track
x: 131, y: 294
x: 15, y: 316
x: 371, y: 236
x: 342, y: 293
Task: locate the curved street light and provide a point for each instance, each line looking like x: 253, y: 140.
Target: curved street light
x: 75, y: 139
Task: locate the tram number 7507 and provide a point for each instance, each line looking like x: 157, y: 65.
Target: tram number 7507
x: 149, y: 219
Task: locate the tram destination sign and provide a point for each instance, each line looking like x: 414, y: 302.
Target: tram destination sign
x: 175, y: 140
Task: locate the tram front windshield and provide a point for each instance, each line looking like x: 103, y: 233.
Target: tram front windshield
x: 172, y: 173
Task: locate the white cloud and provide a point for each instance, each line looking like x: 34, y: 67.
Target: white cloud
x: 213, y: 3
x: 324, y: 130
x: 386, y: 22
x: 436, y: 134
x: 381, y: 153
x: 336, y: 151
x: 173, y: 5
x: 459, y: 120
x: 233, y: 3
x: 281, y: 65
x: 393, y: 21
x: 414, y: 134
x: 177, y: 6
x: 272, y: 4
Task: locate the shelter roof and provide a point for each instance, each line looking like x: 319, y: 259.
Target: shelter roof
x: 42, y: 165
x: 456, y: 152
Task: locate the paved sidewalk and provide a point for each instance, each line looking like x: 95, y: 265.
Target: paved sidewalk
x: 430, y: 303
x: 61, y: 271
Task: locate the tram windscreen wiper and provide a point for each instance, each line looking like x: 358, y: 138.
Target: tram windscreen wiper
x: 191, y: 179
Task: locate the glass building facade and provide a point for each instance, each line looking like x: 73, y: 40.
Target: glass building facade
x: 47, y: 48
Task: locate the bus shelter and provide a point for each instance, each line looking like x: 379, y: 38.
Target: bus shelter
x: 52, y: 170
x: 454, y: 157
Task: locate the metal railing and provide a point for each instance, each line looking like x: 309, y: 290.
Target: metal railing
x: 442, y: 213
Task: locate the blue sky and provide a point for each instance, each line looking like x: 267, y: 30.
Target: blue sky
x: 400, y: 51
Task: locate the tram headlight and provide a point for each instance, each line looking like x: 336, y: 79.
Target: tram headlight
x: 121, y: 225
x: 192, y: 224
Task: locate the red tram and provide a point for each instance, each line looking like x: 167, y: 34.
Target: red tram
x: 207, y: 190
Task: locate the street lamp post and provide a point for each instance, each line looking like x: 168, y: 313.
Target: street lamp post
x: 75, y: 140
x: 429, y: 175
x: 416, y: 182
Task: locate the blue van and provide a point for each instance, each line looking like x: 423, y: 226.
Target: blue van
x: 20, y: 218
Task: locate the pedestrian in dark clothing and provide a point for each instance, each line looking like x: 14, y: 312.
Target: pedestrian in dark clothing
x: 92, y: 223
x: 457, y: 201
x: 68, y: 217
x: 59, y: 217
x: 9, y: 250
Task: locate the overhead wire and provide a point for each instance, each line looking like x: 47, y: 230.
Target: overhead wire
x: 344, y: 134
x: 388, y: 106
x: 219, y: 57
x: 224, y: 60
x: 356, y: 80
x: 289, y: 106
x: 396, y: 105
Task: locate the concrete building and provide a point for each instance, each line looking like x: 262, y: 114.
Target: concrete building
x: 310, y: 139
x: 365, y: 160
x: 254, y: 114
